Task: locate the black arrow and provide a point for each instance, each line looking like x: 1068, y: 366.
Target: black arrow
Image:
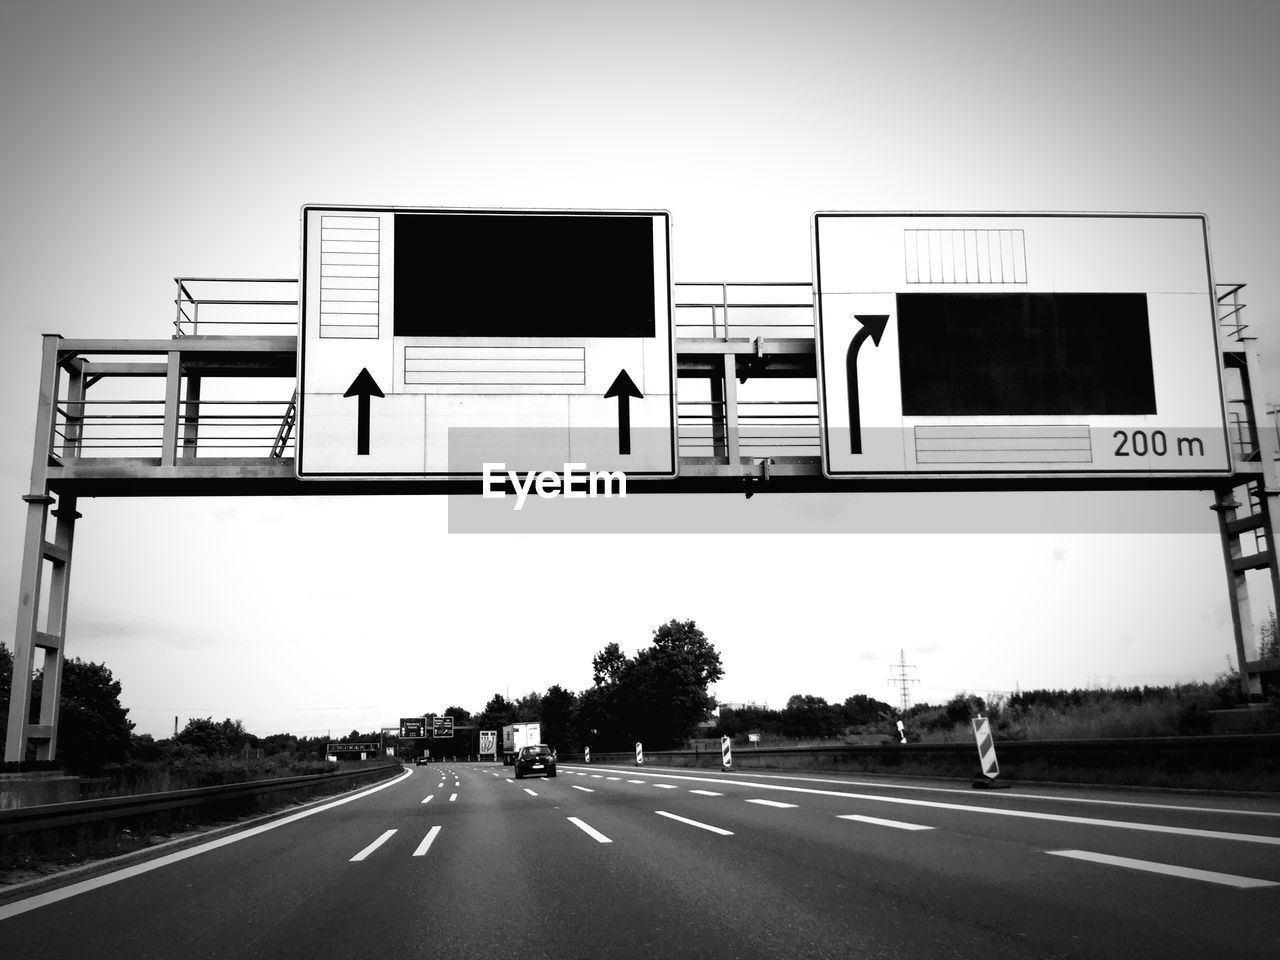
x: 873, y: 327
x: 624, y: 389
x: 363, y: 387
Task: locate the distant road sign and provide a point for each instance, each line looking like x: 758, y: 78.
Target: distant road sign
x: 442, y: 728
x: 1015, y: 345
x: 335, y: 748
x: 434, y: 341
x: 412, y: 727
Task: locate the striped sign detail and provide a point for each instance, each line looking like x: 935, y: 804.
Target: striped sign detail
x: 986, y: 747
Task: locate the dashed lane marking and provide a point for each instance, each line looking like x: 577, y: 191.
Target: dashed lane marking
x: 1168, y: 869
x: 453, y: 797
x: 877, y: 821
x: 665, y: 786
x: 428, y: 799
x: 773, y: 803
x: 373, y: 846
x: 589, y: 830
x: 583, y: 789
x: 529, y: 792
x: 695, y: 823
x: 707, y: 793
x: 425, y: 845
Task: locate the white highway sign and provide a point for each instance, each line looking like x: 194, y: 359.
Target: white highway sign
x: 1016, y: 345
x: 436, y: 341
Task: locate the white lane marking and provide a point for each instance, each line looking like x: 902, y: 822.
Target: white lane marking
x: 583, y: 789
x: 694, y: 823
x: 425, y: 845
x: 1168, y: 869
x: 529, y: 792
x: 774, y: 803
x: 453, y: 797
x: 637, y: 781
x: 1183, y: 808
x: 84, y: 886
x: 440, y: 784
x: 899, y: 824
x: 597, y: 776
x: 665, y: 786
x: 373, y: 846
x: 589, y: 830
x: 707, y: 793
x: 613, y: 778
x: 429, y: 796
x: 994, y: 811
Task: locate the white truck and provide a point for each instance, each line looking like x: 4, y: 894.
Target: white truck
x: 517, y: 735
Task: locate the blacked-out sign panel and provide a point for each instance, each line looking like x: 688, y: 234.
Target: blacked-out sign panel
x: 1025, y: 354
x: 495, y: 275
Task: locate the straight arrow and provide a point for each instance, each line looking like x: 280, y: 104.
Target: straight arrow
x: 873, y: 327
x: 362, y: 388
x: 624, y: 388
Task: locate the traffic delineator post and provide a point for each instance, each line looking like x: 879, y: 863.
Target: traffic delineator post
x: 986, y: 754
x: 726, y: 753
x: 639, y: 754
x: 586, y: 754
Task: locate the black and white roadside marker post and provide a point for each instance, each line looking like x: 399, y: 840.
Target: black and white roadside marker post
x: 639, y: 754
x: 726, y: 754
x: 987, y: 755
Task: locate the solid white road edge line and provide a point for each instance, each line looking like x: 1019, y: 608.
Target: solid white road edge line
x: 84, y: 886
x: 373, y: 846
x: 425, y: 845
x: 898, y: 824
x: 994, y: 811
x: 589, y: 831
x: 1184, y: 808
x: 694, y: 823
x: 1168, y: 869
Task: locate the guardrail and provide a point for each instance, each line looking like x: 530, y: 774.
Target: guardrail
x: 1233, y: 761
x: 53, y: 816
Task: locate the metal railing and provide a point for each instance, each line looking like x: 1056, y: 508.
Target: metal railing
x: 1229, y: 311
x: 234, y: 305
x: 766, y: 428
x: 56, y: 815
x: 208, y: 428
x: 745, y: 310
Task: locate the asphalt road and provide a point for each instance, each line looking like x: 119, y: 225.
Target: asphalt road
x: 463, y: 861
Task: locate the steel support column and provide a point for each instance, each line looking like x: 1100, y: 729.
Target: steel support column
x: 36, y: 550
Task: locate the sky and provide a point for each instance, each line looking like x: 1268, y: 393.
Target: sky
x: 149, y: 140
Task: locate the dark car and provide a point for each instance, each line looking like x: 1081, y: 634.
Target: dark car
x: 538, y: 759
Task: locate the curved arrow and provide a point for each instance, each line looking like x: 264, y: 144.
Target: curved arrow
x: 624, y: 388
x: 362, y: 388
x: 873, y: 327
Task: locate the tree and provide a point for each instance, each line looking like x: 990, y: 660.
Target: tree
x: 205, y: 736
x: 1269, y: 642
x: 497, y: 713
x: 557, y: 717
x: 809, y: 717
x: 658, y: 697
x: 93, y: 728
x: 459, y: 714
x: 6, y: 678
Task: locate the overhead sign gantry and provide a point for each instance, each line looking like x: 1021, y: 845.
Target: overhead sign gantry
x: 435, y: 341
x: 1017, y: 345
